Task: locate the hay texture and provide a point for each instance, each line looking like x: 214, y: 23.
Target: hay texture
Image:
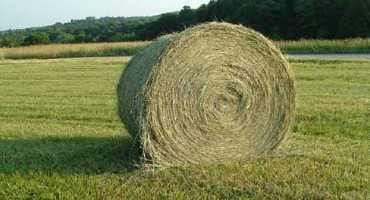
x: 215, y: 92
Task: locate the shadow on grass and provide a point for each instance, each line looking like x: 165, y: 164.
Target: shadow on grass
x: 81, y: 155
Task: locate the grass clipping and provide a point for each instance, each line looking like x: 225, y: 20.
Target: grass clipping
x: 213, y: 93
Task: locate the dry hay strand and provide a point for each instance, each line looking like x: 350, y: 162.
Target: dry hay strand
x: 213, y: 93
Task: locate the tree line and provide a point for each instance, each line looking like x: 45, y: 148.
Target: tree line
x: 277, y: 19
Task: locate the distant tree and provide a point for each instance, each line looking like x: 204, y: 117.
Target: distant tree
x: 37, y: 38
x: 186, y: 16
x: 262, y: 15
x: 80, y: 37
x: 129, y: 37
x: 168, y: 23
x: 211, y: 11
x: 326, y: 14
x: 289, y: 20
x: 201, y: 13
x: 90, y: 19
x: 5, y: 42
x: 277, y: 19
x: 65, y: 38
x: 306, y: 25
x: 355, y: 21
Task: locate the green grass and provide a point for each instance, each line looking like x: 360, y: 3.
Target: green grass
x: 61, y: 138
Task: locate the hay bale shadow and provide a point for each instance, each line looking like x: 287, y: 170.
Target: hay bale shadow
x: 77, y: 155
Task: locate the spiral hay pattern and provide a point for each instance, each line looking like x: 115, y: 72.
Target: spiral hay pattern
x: 213, y: 93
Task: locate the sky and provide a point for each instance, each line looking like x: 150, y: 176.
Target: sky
x: 16, y: 14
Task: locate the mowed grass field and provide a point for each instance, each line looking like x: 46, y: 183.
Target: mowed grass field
x: 61, y: 138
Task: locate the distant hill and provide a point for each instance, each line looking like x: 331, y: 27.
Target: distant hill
x: 277, y: 19
x: 90, y: 29
x: 87, y: 20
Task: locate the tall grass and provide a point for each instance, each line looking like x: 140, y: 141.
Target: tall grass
x: 75, y: 50
x: 2, y: 54
x: 358, y: 45
x: 130, y: 48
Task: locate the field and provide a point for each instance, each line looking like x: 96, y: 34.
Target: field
x: 130, y: 48
x: 325, y: 46
x: 73, y: 50
x: 61, y: 138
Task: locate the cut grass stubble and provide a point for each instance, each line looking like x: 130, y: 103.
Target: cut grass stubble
x: 60, y: 137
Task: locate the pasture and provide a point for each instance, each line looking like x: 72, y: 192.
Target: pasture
x: 61, y: 138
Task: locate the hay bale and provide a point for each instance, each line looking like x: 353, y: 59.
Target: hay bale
x: 215, y: 92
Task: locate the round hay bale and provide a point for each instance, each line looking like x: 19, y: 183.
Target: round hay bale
x: 215, y: 92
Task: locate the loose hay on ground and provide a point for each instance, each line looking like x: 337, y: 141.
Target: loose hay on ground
x: 215, y: 92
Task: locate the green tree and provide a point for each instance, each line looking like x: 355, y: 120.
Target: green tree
x: 37, y: 38
x: 201, y: 13
x: 65, y: 38
x: 80, y: 37
x: 278, y: 19
x: 262, y: 15
x: 356, y: 19
x: 5, y: 42
x: 168, y: 23
x: 289, y: 19
x: 187, y: 16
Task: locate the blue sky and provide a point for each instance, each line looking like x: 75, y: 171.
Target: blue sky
x: 16, y: 14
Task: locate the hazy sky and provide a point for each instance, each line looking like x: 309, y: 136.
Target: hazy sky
x: 16, y: 14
